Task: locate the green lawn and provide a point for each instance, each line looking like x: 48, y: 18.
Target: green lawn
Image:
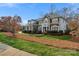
x: 62, y: 37
x: 37, y: 48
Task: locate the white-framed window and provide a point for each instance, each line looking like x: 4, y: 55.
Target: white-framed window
x: 55, y: 20
x: 46, y: 20
x: 54, y: 28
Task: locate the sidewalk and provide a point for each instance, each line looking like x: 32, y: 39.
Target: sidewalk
x: 6, y: 50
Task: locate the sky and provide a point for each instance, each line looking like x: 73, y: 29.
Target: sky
x: 29, y: 11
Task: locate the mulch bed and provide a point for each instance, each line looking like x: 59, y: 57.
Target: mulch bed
x: 56, y: 43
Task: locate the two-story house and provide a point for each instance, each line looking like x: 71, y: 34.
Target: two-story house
x: 50, y: 22
x: 31, y: 25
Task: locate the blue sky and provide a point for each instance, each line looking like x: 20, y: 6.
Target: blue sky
x: 29, y: 11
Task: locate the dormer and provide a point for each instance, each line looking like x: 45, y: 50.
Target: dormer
x: 45, y: 19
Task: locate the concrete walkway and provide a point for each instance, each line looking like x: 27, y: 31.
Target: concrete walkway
x: 6, y: 50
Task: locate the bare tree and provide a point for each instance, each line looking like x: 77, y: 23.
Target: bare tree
x: 16, y: 24
x: 6, y: 23
x: 66, y: 12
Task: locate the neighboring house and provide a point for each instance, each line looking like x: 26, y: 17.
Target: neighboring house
x: 49, y: 22
x: 32, y: 25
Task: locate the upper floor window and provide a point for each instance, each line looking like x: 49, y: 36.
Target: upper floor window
x: 46, y: 20
x: 55, y: 20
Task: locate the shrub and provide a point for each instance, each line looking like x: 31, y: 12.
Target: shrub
x: 39, y: 32
x: 67, y: 32
x: 52, y: 32
x: 26, y: 31
x: 61, y: 32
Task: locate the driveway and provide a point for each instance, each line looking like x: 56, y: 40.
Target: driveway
x: 6, y: 50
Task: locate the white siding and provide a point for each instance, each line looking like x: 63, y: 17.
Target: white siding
x: 62, y: 24
x: 45, y: 24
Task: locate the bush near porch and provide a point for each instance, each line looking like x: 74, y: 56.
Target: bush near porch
x: 48, y: 32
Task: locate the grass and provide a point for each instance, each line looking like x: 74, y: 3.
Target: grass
x: 62, y: 37
x: 37, y: 48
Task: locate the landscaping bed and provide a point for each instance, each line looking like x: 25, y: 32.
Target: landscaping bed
x: 53, y: 43
x: 37, y: 48
x: 50, y: 37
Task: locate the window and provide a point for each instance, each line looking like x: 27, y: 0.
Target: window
x: 55, y: 20
x: 46, y: 20
x: 54, y: 28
